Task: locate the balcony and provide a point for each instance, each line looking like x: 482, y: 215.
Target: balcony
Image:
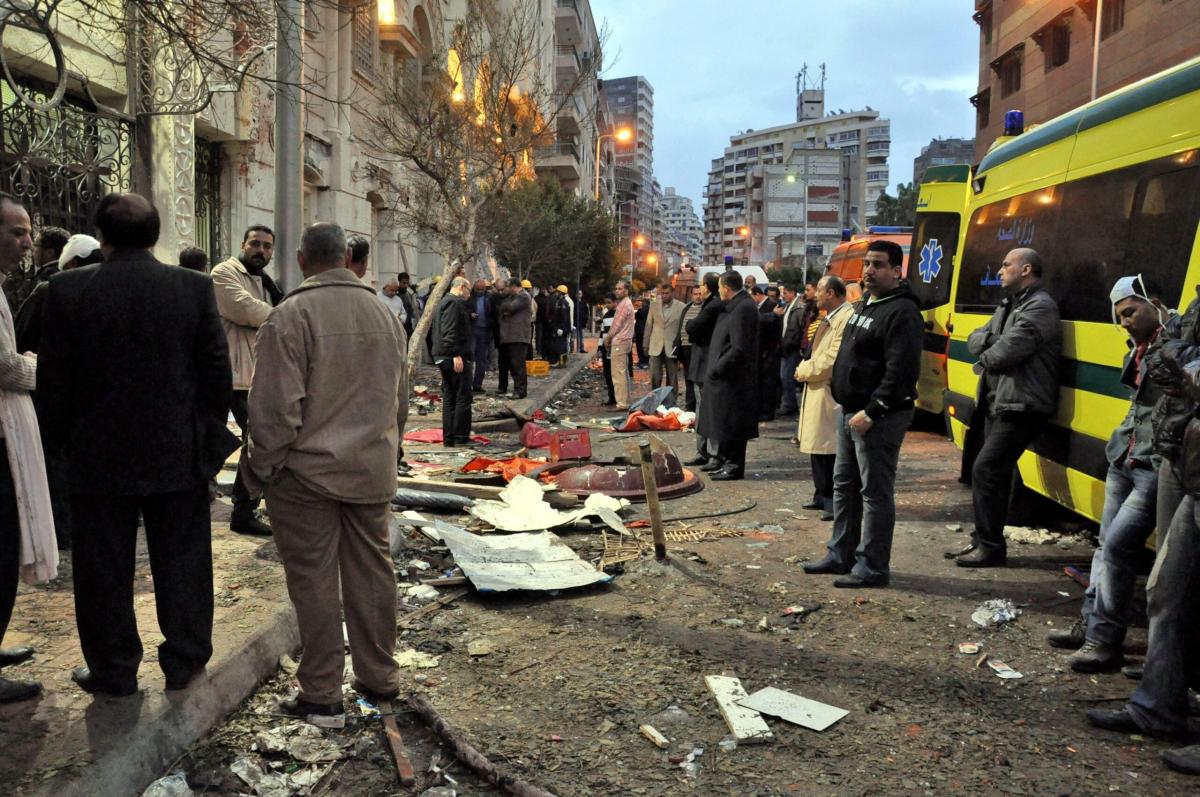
x: 561, y: 160
x: 569, y: 113
x: 568, y: 23
x: 878, y: 134
x: 567, y: 62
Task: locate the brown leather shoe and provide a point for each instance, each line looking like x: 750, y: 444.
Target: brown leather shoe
x: 978, y: 558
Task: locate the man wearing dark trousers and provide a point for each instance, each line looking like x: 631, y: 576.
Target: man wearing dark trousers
x: 690, y: 311
x: 875, y: 383
x: 769, y: 334
x: 730, y: 381
x: 134, y: 382
x: 245, y: 295
x: 481, y: 329
x: 516, y: 316
x: 700, y: 331
x: 453, y: 351
x: 1018, y: 351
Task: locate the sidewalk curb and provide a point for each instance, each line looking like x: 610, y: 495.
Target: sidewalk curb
x: 166, y: 727
x: 544, y: 392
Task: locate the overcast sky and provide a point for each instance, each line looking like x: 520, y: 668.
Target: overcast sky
x: 719, y: 68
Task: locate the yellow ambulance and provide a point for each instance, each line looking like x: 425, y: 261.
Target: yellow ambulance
x: 1107, y: 190
x: 941, y: 206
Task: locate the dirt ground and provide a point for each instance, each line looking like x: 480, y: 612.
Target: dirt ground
x: 572, y: 675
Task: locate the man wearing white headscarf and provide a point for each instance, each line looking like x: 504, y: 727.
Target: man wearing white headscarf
x: 27, y: 546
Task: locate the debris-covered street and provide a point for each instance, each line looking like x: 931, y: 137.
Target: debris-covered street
x: 602, y: 690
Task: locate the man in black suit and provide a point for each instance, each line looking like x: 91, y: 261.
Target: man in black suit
x: 134, y: 384
x: 727, y: 409
x: 770, y: 330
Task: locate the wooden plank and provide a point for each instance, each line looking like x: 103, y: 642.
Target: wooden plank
x: 746, y: 725
x: 395, y: 741
x: 430, y: 608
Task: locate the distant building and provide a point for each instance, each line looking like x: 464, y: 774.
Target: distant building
x: 683, y: 233
x: 942, y: 152
x: 1036, y: 56
x: 859, y: 141
x: 631, y: 103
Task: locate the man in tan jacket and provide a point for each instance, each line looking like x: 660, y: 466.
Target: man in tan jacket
x: 328, y: 401
x: 245, y: 296
x: 817, y: 431
x: 661, y: 336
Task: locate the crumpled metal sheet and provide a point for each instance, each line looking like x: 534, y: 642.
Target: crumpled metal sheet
x: 540, y: 561
x: 522, y: 507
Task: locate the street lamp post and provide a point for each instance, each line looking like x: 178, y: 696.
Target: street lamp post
x: 791, y: 178
x: 624, y: 134
x: 634, y: 240
x: 1096, y: 47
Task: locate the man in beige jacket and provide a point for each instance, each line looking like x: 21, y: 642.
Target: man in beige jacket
x: 817, y: 431
x: 245, y: 296
x: 328, y: 401
x: 661, y: 337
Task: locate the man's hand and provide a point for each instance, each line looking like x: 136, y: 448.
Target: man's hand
x: 30, y: 354
x: 458, y: 365
x: 778, y: 310
x: 861, y: 422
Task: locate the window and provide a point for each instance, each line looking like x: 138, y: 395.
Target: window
x: 1090, y: 232
x: 1112, y: 17
x: 1058, y: 45
x: 1010, y: 74
x: 932, y: 274
x: 363, y: 45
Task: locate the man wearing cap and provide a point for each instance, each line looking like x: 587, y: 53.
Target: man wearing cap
x: 1130, y: 489
x: 1018, y: 351
x: 661, y: 337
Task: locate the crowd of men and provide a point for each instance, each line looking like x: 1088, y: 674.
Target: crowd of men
x: 118, y: 373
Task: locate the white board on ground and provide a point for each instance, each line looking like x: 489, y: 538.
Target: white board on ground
x: 793, y: 708
x: 746, y: 724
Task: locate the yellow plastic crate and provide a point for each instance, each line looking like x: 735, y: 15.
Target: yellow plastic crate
x: 537, y: 367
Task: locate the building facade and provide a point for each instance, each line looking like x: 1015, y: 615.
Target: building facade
x: 631, y: 102
x: 735, y: 219
x: 942, y: 152
x: 1037, y: 56
x: 683, y: 234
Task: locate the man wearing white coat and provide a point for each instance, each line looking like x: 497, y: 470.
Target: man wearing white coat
x: 817, y: 430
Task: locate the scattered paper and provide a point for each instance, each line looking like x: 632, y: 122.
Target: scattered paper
x: 498, y: 563
x: 968, y: 648
x: 995, y: 612
x: 793, y: 708
x: 1003, y: 670
x: 523, y: 507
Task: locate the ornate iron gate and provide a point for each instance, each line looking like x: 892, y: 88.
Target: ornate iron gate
x: 208, y: 202
x: 59, y: 160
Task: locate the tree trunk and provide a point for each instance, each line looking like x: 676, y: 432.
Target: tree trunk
x: 417, y: 342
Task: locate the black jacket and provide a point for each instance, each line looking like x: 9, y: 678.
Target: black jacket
x: 28, y: 322
x: 729, y: 403
x: 770, y: 327
x: 452, y: 335
x: 1178, y: 345
x: 700, y: 330
x: 880, y: 359
x: 134, y: 382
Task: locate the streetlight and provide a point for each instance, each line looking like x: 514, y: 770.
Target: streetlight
x: 791, y: 178
x: 639, y: 241
x: 1096, y: 47
x: 652, y: 260
x: 744, y: 233
x: 623, y: 134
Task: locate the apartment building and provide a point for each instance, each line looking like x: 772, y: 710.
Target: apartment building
x: 683, y: 234
x: 631, y: 101
x: 736, y: 222
x: 942, y: 152
x: 577, y: 100
x: 1037, y: 55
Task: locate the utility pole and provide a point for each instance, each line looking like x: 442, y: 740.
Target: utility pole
x: 289, y: 192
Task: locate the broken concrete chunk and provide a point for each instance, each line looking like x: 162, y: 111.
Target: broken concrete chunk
x: 422, y: 592
x: 481, y: 647
x: 415, y: 658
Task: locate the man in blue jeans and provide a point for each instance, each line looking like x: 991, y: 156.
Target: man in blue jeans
x: 1130, y: 490
x: 875, y: 382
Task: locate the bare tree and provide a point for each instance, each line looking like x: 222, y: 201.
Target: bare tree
x: 461, y: 128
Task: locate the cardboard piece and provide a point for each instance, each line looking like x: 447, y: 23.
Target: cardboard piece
x: 498, y: 563
x: 793, y: 708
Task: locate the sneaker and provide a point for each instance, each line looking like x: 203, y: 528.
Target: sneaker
x: 1071, y: 639
x: 1095, y: 657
